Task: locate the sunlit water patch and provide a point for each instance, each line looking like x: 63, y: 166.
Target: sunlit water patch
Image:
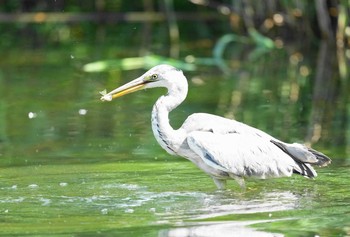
x: 222, y: 229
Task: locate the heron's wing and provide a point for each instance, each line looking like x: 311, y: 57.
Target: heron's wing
x: 302, y: 155
x: 219, y: 125
x: 241, y: 154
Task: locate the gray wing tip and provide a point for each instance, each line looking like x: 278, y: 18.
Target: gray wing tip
x: 302, y: 154
x: 322, y: 159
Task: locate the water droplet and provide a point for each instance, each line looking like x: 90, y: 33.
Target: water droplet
x: 129, y: 210
x: 32, y: 115
x: 104, y: 211
x: 82, y: 111
x: 45, y: 201
x: 63, y: 184
x: 152, y: 209
x: 33, y: 186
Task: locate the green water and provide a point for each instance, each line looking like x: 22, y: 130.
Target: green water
x: 166, y: 199
x: 74, y: 166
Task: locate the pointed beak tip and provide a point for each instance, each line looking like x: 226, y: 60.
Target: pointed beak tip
x: 106, y: 98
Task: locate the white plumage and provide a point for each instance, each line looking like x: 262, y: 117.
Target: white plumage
x: 223, y: 148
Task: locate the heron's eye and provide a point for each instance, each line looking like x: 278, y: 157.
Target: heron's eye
x: 154, y: 77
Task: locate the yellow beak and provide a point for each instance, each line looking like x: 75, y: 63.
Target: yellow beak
x: 135, y: 85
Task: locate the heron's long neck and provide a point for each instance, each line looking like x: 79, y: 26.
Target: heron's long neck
x: 166, y: 136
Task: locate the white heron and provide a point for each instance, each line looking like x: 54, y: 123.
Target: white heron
x: 222, y: 148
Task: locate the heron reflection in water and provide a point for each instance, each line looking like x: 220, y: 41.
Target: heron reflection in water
x: 222, y: 148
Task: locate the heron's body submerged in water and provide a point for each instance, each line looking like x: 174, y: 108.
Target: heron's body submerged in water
x: 223, y: 148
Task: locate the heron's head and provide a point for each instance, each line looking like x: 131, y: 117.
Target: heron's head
x: 159, y: 76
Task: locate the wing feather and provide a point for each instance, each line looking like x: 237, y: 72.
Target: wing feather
x: 241, y: 154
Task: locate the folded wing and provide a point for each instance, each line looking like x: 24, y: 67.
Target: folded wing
x: 241, y: 155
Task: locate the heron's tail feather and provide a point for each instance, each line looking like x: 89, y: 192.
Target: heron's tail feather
x: 304, y: 157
